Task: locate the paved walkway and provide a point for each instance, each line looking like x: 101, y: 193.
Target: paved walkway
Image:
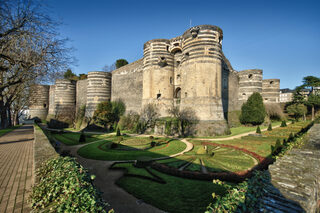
x: 16, y: 169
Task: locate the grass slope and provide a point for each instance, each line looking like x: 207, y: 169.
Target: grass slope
x: 178, y: 195
x: 102, y: 151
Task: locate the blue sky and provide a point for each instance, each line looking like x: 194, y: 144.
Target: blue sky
x: 280, y: 37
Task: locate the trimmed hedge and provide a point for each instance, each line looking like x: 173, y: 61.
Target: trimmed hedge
x: 65, y: 186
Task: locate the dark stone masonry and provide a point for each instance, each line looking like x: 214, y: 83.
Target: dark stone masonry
x: 295, y: 179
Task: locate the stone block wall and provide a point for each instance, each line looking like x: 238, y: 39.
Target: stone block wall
x: 271, y: 90
x: 51, y: 100
x: 296, y: 178
x: 81, y: 93
x: 39, y: 101
x: 127, y: 85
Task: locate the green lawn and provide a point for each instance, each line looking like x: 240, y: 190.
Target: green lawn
x: 242, y: 129
x: 131, y: 148
x: 262, y: 145
x: 72, y: 138
x: 6, y: 130
x: 178, y: 195
x: 224, y: 159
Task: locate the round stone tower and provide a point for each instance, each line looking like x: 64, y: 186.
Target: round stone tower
x: 271, y: 90
x: 65, y: 100
x: 201, y: 72
x: 39, y: 101
x: 98, y: 90
x: 158, y: 74
x: 250, y: 81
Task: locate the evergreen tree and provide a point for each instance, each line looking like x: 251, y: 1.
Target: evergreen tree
x: 253, y: 111
x: 121, y: 63
x: 270, y: 127
x: 258, y: 130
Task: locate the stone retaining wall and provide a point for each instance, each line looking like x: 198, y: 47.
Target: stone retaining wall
x: 43, y: 150
x: 295, y: 178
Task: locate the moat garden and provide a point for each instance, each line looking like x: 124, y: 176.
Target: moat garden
x: 175, y: 174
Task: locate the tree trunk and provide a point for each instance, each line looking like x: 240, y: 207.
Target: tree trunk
x: 15, y: 118
x: 3, y: 117
x: 9, y: 117
x: 312, y: 112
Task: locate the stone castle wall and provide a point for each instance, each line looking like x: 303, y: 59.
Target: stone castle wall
x: 127, y: 85
x: 52, y: 106
x: 98, y: 90
x: 271, y: 90
x: 81, y: 94
x: 39, y: 101
x: 188, y: 71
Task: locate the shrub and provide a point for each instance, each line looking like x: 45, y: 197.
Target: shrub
x: 244, y: 197
x: 153, y: 144
x: 253, y: 111
x: 274, y: 111
x: 80, y: 116
x: 283, y: 124
x: 118, y: 132
x: 113, y: 145
x: 62, y: 180
x: 227, y: 131
x: 258, y: 130
x: 291, y: 137
x: 151, y: 137
x: 82, y: 138
x: 270, y: 127
x: 297, y: 110
x: 108, y: 113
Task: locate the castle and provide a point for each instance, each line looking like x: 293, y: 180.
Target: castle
x: 188, y: 71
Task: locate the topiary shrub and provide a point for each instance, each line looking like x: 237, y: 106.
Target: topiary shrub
x: 153, y: 143
x: 253, y: 111
x: 151, y: 137
x: 277, y: 148
x: 82, y: 138
x: 270, y: 127
x: 283, y: 124
x: 258, y: 130
x: 118, y: 132
x: 113, y: 145
x: 291, y: 137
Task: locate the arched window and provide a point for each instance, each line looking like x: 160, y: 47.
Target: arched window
x: 177, y: 93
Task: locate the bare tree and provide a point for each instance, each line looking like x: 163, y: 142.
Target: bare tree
x: 109, y: 68
x: 186, y: 118
x: 148, y: 116
x: 30, y: 47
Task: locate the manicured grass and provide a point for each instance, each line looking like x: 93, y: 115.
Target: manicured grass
x: 224, y: 159
x: 72, y: 138
x: 131, y: 150
x: 178, y: 195
x: 262, y: 145
x: 6, y: 130
x: 243, y: 129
